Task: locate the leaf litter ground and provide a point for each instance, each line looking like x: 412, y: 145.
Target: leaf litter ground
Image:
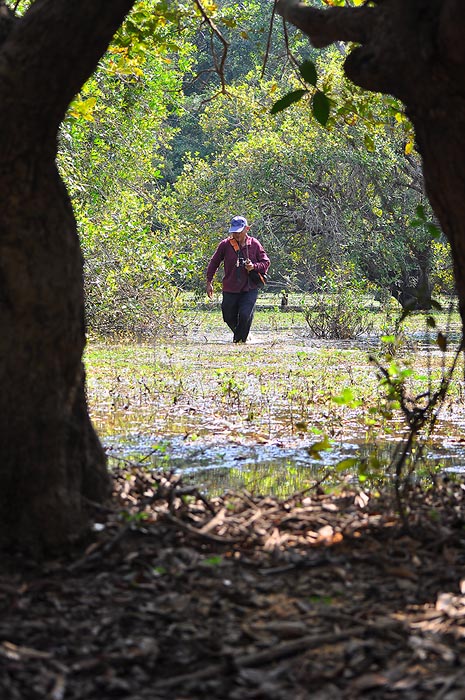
x: 176, y: 596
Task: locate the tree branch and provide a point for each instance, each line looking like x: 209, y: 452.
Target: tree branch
x: 397, y: 50
x: 268, y: 42
x: 324, y: 27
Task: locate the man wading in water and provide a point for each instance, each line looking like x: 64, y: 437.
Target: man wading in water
x: 242, y: 255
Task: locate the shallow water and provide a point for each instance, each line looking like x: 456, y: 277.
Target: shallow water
x: 269, y: 468
x: 188, y: 419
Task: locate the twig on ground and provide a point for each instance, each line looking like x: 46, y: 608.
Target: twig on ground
x: 261, y: 658
x: 198, y: 533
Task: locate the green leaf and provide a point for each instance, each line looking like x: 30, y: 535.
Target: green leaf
x: 308, y: 72
x: 83, y: 109
x: 159, y: 570
x: 287, y: 100
x: 215, y: 560
x: 420, y: 212
x: 433, y: 230
x: 345, y: 397
x: 321, y: 599
x: 316, y: 448
x: 347, y: 463
x: 320, y: 107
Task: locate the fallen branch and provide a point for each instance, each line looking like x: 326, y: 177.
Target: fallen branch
x: 198, y: 533
x: 261, y: 658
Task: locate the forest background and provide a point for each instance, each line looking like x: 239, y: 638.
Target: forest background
x: 168, y: 140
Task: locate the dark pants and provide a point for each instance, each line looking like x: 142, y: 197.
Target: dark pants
x: 238, y: 310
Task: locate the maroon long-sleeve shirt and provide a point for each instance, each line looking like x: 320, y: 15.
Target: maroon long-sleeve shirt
x: 236, y: 279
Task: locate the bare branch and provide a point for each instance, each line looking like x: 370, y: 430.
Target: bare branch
x: 219, y: 64
x: 391, y: 35
x: 289, y: 53
x: 268, y: 43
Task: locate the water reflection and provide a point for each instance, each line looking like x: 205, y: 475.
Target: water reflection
x: 272, y: 468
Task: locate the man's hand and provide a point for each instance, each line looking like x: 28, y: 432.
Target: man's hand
x: 209, y: 290
x: 249, y: 265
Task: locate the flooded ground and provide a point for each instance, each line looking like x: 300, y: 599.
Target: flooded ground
x: 271, y: 416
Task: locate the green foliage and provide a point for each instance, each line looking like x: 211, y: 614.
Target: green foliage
x: 308, y: 72
x: 112, y: 157
x: 417, y: 397
x: 320, y: 107
x: 318, y: 198
x: 422, y: 220
x: 442, y: 270
x: 156, y: 27
x: 287, y: 100
x: 319, y: 101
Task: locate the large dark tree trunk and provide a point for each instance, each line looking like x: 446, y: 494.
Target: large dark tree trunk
x: 51, y: 461
x: 414, y: 50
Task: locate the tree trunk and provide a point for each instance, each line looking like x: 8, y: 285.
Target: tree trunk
x: 51, y: 461
x: 442, y: 145
x: 50, y: 456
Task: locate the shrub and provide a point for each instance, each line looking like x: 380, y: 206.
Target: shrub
x: 121, y: 306
x: 339, y: 309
